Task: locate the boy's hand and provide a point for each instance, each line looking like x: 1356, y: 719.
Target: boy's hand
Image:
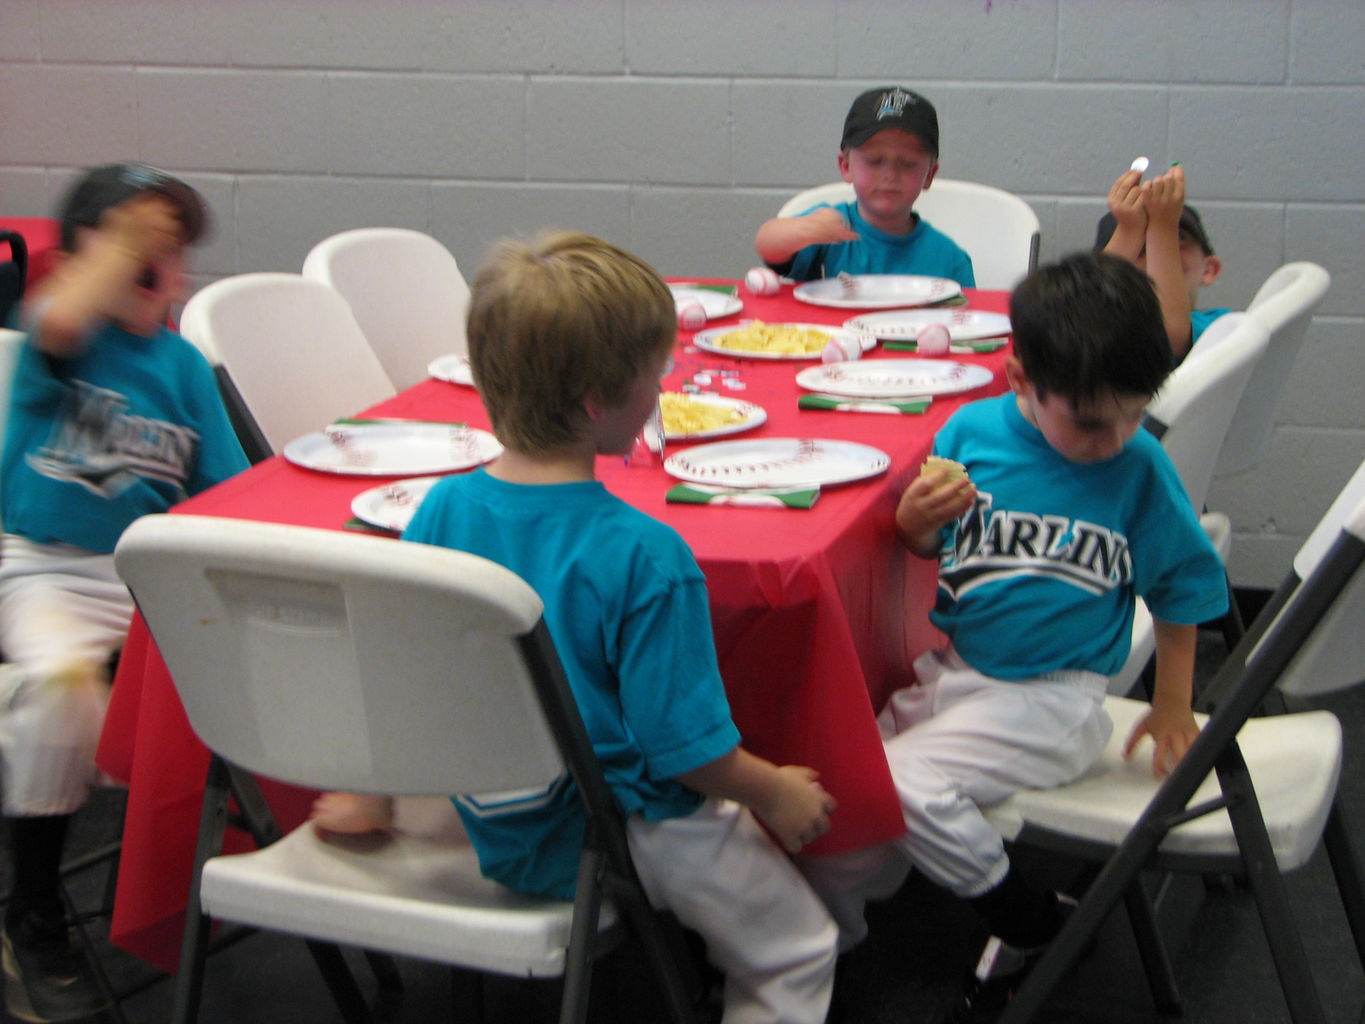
x: 1127, y: 204
x: 932, y: 500
x: 1172, y: 728
x: 799, y: 810
x: 146, y: 227
x: 1164, y: 198
x: 1126, y: 201
x: 825, y: 226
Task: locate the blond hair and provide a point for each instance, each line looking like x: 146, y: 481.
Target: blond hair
x: 557, y: 322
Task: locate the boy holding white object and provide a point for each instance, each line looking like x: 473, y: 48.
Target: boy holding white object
x: 1150, y: 226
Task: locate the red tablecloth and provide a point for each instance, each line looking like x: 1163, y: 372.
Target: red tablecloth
x: 817, y: 614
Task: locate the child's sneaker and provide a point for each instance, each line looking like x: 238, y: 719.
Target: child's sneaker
x: 999, y: 972
x: 46, y: 977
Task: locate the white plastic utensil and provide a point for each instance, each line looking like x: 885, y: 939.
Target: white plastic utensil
x: 1140, y: 165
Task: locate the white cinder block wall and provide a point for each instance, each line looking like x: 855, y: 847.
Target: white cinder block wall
x: 675, y: 127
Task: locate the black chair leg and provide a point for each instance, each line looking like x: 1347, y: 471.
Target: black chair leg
x: 1155, y: 961
x: 189, y: 979
x: 340, y: 982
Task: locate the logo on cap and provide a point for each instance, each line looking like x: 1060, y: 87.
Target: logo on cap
x: 893, y: 103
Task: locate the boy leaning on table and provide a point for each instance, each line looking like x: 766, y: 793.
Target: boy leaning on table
x: 111, y: 416
x: 1061, y: 512
x: 1150, y: 225
x: 568, y: 337
x: 889, y: 154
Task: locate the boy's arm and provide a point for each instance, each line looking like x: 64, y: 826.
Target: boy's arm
x: 932, y: 500
x: 1171, y: 722
x: 1130, y: 217
x: 786, y: 798
x: 1165, y: 200
x: 88, y: 285
x: 779, y: 239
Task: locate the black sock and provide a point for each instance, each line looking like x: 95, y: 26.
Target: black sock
x: 1018, y: 913
x: 36, y: 850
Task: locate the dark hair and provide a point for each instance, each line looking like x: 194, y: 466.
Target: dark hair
x: 558, y: 321
x: 1088, y: 324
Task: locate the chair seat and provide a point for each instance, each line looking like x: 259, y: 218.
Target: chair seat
x: 1294, y: 762
x: 411, y: 892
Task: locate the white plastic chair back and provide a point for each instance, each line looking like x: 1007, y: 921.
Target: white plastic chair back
x: 1197, y: 403
x: 292, y: 347
x: 1332, y: 658
x: 406, y: 292
x: 1285, y: 305
x: 998, y: 230
x: 285, y: 642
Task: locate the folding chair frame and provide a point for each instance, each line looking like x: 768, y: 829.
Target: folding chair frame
x: 1243, y: 684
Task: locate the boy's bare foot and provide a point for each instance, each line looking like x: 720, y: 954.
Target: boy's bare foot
x: 352, y: 813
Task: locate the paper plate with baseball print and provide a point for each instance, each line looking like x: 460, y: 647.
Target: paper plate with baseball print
x: 453, y: 368
x: 905, y: 324
x: 777, y: 462
x: 391, y: 506
x: 877, y: 291
x: 713, y: 303
x: 893, y: 378
x: 393, y: 448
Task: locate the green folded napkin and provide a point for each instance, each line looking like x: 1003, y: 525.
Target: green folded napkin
x: 360, y: 526
x: 755, y: 497
x: 724, y: 289
x: 961, y: 348
x: 835, y: 403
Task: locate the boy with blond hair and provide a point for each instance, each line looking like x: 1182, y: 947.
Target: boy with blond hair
x: 889, y: 154
x: 568, y: 337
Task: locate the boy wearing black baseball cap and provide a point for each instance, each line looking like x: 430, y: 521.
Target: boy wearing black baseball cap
x: 112, y: 416
x: 1149, y: 225
x: 889, y: 154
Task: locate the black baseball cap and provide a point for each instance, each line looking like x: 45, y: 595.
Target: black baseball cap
x: 890, y: 107
x: 111, y: 184
x: 1190, y: 223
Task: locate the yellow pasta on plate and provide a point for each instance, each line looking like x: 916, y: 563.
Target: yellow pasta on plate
x: 755, y: 339
x: 687, y: 417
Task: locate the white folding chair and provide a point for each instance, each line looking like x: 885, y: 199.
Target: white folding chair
x: 405, y: 290
x: 1271, y: 797
x: 1191, y: 415
x: 999, y: 231
x: 340, y: 661
x: 1285, y: 305
x: 292, y: 349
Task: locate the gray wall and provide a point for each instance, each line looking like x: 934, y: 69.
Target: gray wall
x: 676, y: 127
